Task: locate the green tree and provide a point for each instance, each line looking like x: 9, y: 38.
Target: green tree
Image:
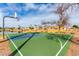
x: 75, y: 26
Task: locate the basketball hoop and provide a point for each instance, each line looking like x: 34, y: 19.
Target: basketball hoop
x: 15, y: 17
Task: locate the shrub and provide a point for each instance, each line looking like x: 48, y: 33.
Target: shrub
x: 57, y: 36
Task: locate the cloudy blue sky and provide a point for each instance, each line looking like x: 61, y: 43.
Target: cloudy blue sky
x: 31, y: 13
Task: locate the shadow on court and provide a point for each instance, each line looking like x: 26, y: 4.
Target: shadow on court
x: 14, y: 52
x: 12, y: 37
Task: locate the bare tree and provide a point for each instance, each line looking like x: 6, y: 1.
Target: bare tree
x: 63, y: 11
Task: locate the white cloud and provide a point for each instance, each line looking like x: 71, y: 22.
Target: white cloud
x: 37, y: 19
x: 47, y: 8
x: 10, y: 22
x: 43, y: 7
x: 40, y: 7
x: 30, y: 6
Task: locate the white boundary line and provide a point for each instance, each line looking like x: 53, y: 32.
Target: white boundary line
x: 15, y: 46
x: 60, y: 43
x: 62, y: 47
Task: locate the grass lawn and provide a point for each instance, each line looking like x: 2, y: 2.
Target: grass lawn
x: 39, y: 45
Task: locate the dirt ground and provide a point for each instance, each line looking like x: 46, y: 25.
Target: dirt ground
x: 4, y: 47
x: 74, y: 47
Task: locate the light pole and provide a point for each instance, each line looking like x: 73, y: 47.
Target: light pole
x: 4, y: 23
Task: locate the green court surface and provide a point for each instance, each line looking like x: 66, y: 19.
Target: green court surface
x: 39, y: 44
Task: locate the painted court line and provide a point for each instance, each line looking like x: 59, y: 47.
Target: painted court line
x: 15, y: 46
x: 60, y: 43
x: 63, y: 46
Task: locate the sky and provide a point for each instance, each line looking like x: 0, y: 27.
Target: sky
x: 31, y: 14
